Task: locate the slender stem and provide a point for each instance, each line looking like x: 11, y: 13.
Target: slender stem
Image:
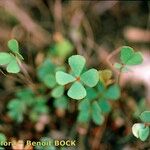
x: 120, y: 73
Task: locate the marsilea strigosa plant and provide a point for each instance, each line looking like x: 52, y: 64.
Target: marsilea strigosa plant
x: 93, y: 89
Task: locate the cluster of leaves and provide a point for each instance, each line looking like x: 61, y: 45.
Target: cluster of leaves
x: 13, y: 59
x: 93, y: 88
x: 26, y: 101
x: 129, y: 58
x: 96, y: 104
x: 94, y: 100
x: 141, y: 130
x: 46, y: 74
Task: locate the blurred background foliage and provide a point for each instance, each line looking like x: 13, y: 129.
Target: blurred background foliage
x: 48, y: 33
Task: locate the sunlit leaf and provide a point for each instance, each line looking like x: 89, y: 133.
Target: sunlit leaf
x: 77, y: 64
x: 90, y: 77
x: 63, y: 78
x: 141, y: 131
x: 77, y: 91
x: 13, y: 66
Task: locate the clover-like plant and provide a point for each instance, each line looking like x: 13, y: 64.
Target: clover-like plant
x: 141, y: 130
x: 96, y: 103
x: 60, y: 100
x: 46, y: 73
x: 128, y: 58
x: 24, y: 101
x: 90, y: 78
x: 11, y: 60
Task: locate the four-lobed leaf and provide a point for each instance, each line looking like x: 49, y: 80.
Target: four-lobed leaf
x: 89, y: 78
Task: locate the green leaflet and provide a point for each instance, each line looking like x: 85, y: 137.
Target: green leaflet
x: 96, y: 114
x: 11, y: 60
x: 5, y: 58
x: 83, y: 116
x: 104, y: 105
x: 61, y: 102
x: 13, y: 66
x: 77, y: 64
x: 145, y: 116
x: 16, y: 109
x: 113, y: 92
x: 90, y: 77
x: 58, y: 91
x: 2, y: 137
x: 13, y: 45
x: 84, y: 105
x: 77, y: 91
x: 139, y: 130
x: 63, y: 78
